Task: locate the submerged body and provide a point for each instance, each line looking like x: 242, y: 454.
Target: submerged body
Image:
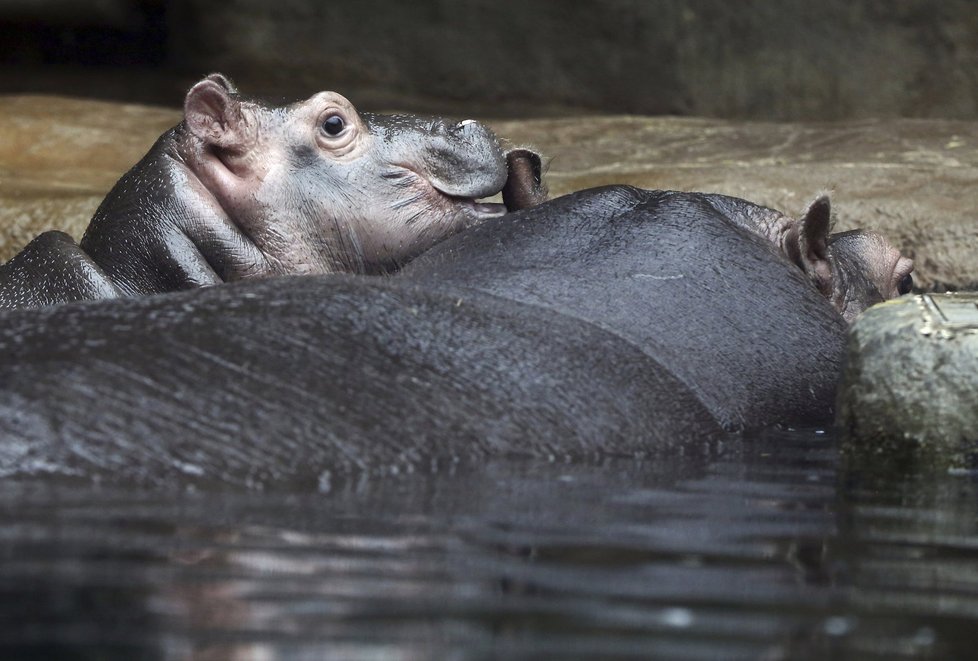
x: 243, y: 189
x: 609, y: 321
x: 276, y: 382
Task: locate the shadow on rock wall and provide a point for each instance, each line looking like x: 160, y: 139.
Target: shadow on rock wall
x: 752, y: 59
x: 756, y: 59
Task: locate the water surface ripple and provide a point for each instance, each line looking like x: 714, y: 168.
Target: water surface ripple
x: 762, y: 548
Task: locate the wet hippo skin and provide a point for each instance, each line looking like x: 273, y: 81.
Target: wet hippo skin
x: 278, y: 381
x: 722, y: 292
x: 612, y: 320
x: 244, y: 189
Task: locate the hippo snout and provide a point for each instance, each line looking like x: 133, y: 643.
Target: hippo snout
x: 466, y: 160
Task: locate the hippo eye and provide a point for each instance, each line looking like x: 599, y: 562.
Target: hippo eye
x: 333, y: 125
x: 906, y: 284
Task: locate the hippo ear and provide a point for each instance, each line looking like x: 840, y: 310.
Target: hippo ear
x: 224, y: 82
x: 806, y: 243
x: 524, y: 183
x: 213, y: 113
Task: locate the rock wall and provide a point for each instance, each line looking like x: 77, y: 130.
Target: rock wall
x: 60, y: 156
x: 785, y: 60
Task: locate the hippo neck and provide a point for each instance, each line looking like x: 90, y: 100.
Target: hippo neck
x: 195, y: 181
x: 762, y: 221
x: 165, y: 203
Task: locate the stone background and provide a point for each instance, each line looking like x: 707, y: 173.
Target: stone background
x: 747, y: 59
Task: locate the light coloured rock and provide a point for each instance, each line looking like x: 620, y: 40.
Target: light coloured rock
x: 60, y: 156
x: 910, y: 389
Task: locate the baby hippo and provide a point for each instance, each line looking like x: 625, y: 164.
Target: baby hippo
x: 853, y: 270
x: 243, y: 189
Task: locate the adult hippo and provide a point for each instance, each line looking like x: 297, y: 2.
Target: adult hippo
x: 608, y: 321
x: 746, y: 305
x: 242, y: 189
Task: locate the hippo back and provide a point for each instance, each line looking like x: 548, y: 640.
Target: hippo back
x: 714, y: 303
x: 280, y: 382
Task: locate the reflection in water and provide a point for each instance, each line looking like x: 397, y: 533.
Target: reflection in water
x: 765, y: 549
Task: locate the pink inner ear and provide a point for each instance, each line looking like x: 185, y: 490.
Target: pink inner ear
x: 814, y: 252
x: 823, y: 275
x: 806, y: 244
x: 790, y: 244
x: 207, y: 111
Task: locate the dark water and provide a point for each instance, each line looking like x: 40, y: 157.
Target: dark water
x: 764, y: 548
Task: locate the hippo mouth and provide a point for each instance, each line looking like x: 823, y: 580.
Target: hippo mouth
x: 477, y: 207
x: 445, y: 195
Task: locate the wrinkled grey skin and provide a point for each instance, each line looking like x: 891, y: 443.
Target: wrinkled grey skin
x: 747, y: 306
x: 867, y: 269
x: 242, y: 189
x: 609, y: 321
x: 278, y: 382
x: 853, y: 270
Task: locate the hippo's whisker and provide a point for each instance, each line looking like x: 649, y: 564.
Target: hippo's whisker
x: 400, y: 178
x: 414, y: 217
x: 408, y: 202
x: 355, y: 250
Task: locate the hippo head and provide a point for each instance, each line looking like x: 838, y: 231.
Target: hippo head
x: 854, y: 270
x: 320, y: 187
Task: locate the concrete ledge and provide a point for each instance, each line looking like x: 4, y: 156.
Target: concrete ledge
x: 910, y: 389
